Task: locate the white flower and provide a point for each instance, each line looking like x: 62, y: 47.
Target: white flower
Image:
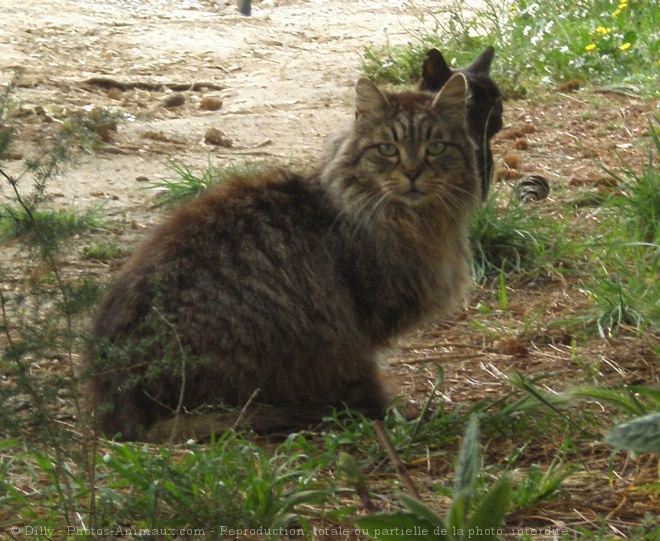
x: 526, y: 30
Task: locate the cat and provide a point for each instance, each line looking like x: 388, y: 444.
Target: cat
x: 484, y: 110
x: 276, y: 292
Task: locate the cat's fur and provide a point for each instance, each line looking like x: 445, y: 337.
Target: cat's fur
x: 484, y: 110
x: 289, y: 286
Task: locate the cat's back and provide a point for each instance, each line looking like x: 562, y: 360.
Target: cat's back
x: 245, y: 205
x: 248, y: 234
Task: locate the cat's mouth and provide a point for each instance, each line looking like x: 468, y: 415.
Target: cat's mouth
x: 413, y: 195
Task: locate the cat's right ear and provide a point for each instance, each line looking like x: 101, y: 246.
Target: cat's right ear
x: 453, y: 96
x: 435, y: 71
x: 368, y: 99
x: 482, y: 63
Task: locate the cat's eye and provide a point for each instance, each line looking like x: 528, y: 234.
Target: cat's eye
x: 387, y: 149
x: 434, y: 149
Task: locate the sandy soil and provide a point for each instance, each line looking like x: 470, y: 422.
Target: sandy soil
x: 284, y: 76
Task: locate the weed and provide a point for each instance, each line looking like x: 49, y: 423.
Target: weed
x: 508, y: 237
x: 231, y: 484
x: 185, y: 184
x: 464, y: 518
x: 103, y: 251
x: 637, y: 199
x: 537, y: 485
x: 628, y: 293
x: 641, y: 434
x: 52, y: 226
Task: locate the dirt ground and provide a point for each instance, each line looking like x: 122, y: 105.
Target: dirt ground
x: 284, y: 76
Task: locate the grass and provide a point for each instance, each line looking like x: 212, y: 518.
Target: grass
x: 511, y: 237
x: 538, y: 43
x: 551, y: 377
x: 627, y: 292
x: 103, y: 251
x: 185, y: 184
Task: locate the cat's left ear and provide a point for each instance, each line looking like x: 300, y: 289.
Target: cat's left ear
x: 368, y: 99
x: 482, y: 63
x: 453, y: 96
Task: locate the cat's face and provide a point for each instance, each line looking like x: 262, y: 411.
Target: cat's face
x: 407, y: 150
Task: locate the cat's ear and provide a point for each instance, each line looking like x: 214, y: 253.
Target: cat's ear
x: 482, y: 63
x: 368, y: 99
x: 453, y: 96
x: 435, y: 71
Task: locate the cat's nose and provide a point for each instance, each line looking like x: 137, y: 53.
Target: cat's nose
x: 412, y: 171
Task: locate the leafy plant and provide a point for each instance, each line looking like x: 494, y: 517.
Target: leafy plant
x: 50, y: 225
x: 464, y: 519
x: 637, y: 198
x: 641, y: 434
x: 232, y: 484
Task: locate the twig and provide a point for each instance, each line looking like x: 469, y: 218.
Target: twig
x: 243, y: 412
x: 394, y: 459
x: 182, y: 389
x: 5, y: 319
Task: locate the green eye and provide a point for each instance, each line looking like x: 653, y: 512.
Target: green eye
x: 434, y: 149
x: 388, y: 150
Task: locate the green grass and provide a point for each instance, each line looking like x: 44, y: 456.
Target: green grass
x: 17, y: 221
x: 538, y: 43
x: 186, y: 184
x: 626, y: 289
x: 103, y: 251
x: 511, y: 237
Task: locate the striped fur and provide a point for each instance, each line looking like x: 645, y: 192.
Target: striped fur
x: 288, y: 285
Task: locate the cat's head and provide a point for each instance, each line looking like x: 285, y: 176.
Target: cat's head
x: 485, y: 101
x: 406, y: 152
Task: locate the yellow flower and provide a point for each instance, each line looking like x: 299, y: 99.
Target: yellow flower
x: 603, y: 30
x: 616, y: 12
x: 590, y: 47
x: 625, y: 46
x: 622, y: 5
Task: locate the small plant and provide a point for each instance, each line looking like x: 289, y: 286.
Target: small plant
x: 509, y: 237
x: 637, y: 198
x: 41, y: 321
x: 103, y: 251
x: 50, y: 225
x: 395, y: 64
x: 628, y: 294
x: 465, y: 519
x: 537, y: 485
x: 641, y: 434
x: 232, y: 484
x: 185, y: 184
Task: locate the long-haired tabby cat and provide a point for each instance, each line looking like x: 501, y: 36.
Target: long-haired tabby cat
x: 279, y: 290
x: 484, y: 109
